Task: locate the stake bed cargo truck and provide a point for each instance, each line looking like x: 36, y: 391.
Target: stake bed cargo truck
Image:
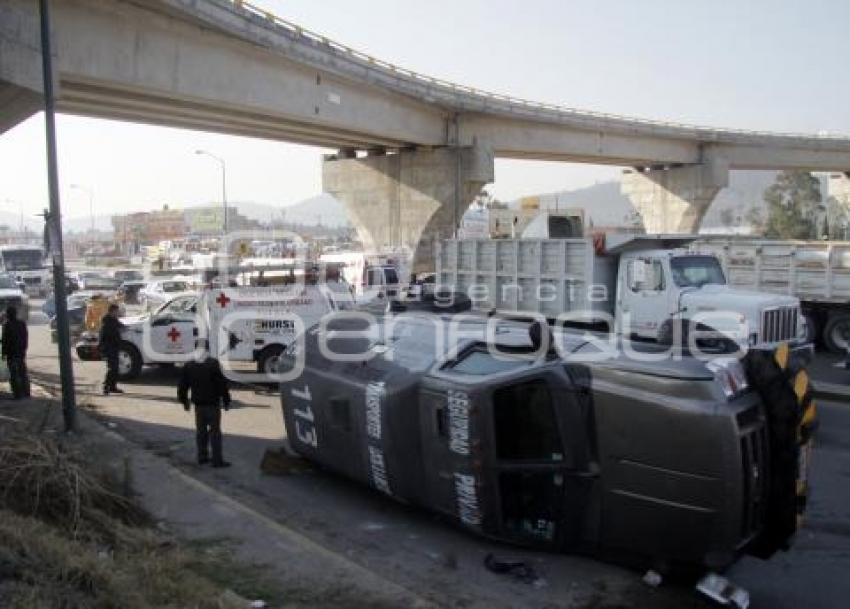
x: 648, y: 285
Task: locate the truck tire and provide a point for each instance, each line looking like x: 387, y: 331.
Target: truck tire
x: 129, y: 362
x: 836, y: 333
x: 268, y: 358
x: 791, y: 417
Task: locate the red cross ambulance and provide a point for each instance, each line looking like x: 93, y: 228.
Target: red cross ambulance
x: 242, y: 324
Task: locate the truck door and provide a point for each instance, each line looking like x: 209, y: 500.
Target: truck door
x: 173, y: 329
x: 643, y: 305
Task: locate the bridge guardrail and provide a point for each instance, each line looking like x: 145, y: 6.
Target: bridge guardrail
x: 369, y: 60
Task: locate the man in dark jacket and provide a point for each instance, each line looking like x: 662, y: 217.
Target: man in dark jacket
x: 15, y: 343
x: 110, y: 339
x: 205, y: 381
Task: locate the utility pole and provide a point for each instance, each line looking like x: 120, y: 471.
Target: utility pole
x: 223, y: 184
x: 54, y: 226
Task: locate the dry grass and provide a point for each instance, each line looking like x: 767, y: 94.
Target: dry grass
x: 40, y: 478
x: 71, y: 538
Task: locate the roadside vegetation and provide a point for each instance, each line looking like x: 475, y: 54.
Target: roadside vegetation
x: 71, y: 536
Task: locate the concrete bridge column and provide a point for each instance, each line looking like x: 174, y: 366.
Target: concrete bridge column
x: 839, y: 187
x: 21, y: 84
x: 408, y: 199
x: 675, y: 199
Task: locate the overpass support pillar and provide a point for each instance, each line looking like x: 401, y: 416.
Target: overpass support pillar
x: 674, y: 199
x: 408, y: 199
x: 20, y: 63
x: 839, y: 188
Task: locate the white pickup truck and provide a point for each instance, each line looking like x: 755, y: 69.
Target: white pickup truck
x: 648, y: 284
x: 371, y: 276
x: 242, y: 325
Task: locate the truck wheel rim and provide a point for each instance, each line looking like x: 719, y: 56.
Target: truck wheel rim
x: 840, y: 334
x: 125, y: 362
x: 271, y: 366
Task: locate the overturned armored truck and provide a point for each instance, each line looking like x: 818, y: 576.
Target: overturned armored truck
x: 668, y: 463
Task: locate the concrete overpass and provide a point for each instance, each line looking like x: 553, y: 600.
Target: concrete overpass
x: 222, y: 65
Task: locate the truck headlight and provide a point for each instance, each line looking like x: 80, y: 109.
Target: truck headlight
x: 730, y: 375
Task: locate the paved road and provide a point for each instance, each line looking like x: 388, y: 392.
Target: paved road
x: 433, y: 559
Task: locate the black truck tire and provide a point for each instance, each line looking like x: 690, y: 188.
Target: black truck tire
x: 268, y: 358
x: 791, y: 418
x: 836, y: 333
x: 129, y: 361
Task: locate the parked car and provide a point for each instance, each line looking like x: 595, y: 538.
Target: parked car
x: 157, y: 293
x: 11, y: 294
x: 124, y: 275
x: 77, y: 304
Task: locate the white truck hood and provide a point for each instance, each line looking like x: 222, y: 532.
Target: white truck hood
x: 711, y: 302
x: 722, y: 297
x: 10, y: 293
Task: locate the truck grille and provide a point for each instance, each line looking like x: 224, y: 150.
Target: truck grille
x: 32, y: 280
x: 779, y: 324
x: 755, y: 475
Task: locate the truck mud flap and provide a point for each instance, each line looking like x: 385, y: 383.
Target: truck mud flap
x: 786, y: 393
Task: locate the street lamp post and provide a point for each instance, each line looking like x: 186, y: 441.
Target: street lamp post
x: 90, y: 193
x: 223, y: 184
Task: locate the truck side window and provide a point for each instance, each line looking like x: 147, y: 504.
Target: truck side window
x: 645, y: 276
x: 375, y: 277
x: 526, y: 428
x: 656, y: 277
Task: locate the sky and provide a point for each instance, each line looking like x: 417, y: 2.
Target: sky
x: 777, y: 65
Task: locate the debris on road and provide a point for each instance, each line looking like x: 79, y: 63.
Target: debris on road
x: 519, y: 570
x: 652, y: 578
x: 723, y: 591
x: 277, y: 462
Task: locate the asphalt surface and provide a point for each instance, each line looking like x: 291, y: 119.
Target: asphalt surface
x: 434, y: 559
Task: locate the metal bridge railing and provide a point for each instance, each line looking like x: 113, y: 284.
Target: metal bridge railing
x: 374, y: 62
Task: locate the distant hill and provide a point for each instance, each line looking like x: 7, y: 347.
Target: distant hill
x: 322, y: 208
x: 13, y: 221
x: 606, y: 206
x: 602, y: 203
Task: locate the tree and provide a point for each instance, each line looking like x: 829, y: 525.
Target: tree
x: 755, y: 217
x: 792, y: 203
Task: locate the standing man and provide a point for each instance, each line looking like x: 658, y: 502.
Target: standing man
x: 110, y: 339
x: 15, y: 343
x: 204, y: 379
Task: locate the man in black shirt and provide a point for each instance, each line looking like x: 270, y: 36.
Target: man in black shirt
x: 110, y: 339
x: 15, y: 343
x: 205, y: 381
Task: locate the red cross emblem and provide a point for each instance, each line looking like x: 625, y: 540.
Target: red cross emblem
x: 222, y: 300
x: 173, y: 334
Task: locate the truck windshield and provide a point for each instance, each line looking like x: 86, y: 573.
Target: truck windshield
x: 22, y: 260
x: 390, y: 276
x: 696, y: 271
x: 7, y: 283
